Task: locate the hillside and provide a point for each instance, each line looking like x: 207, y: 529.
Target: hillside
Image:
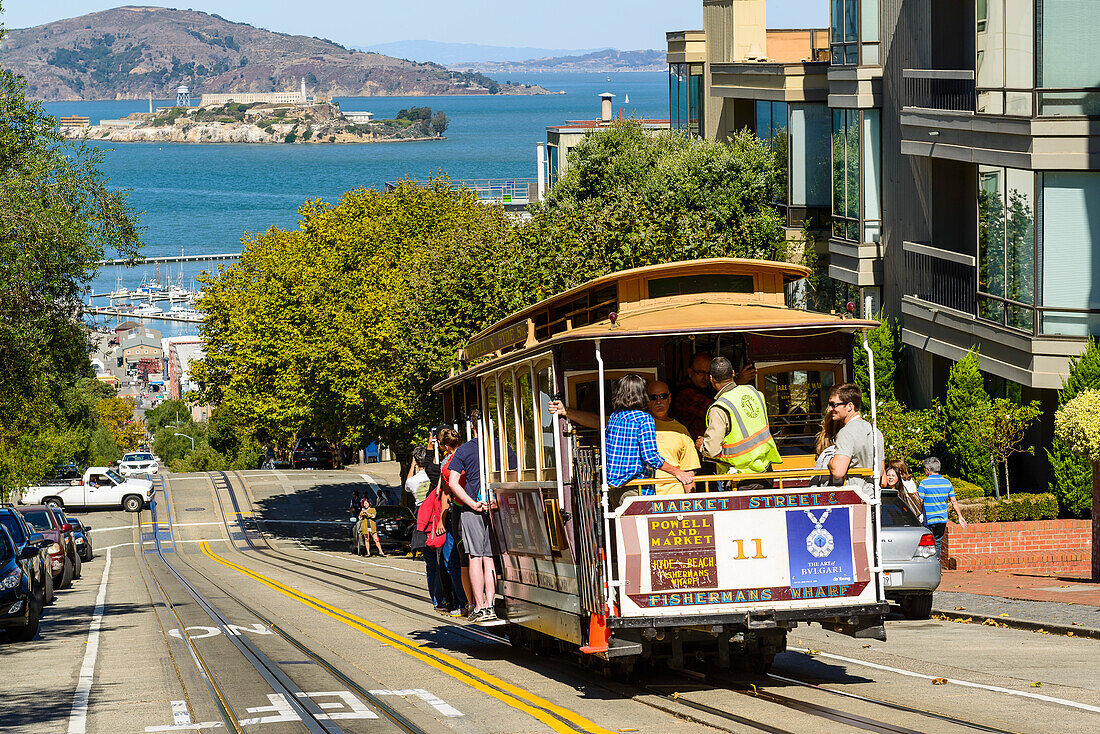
x: 128, y: 52
x: 442, y: 52
x: 604, y: 60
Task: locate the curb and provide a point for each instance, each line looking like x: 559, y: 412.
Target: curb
x: 1021, y: 624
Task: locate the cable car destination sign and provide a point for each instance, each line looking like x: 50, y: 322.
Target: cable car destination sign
x: 728, y: 552
x: 497, y: 340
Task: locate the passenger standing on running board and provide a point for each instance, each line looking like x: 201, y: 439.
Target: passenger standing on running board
x: 475, y: 523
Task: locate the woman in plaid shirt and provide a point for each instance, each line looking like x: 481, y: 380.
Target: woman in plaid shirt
x: 631, y: 436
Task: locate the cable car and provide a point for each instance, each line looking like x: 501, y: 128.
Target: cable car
x: 715, y: 573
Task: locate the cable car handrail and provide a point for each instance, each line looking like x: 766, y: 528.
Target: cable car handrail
x: 788, y: 474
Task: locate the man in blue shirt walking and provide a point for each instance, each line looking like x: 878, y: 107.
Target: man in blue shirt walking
x: 936, y: 492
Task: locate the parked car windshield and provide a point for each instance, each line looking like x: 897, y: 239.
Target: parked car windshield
x: 13, y: 526
x: 7, y: 551
x: 39, y: 519
x: 310, y: 444
x: 895, y: 514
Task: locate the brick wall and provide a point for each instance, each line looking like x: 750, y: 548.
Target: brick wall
x: 1046, y: 546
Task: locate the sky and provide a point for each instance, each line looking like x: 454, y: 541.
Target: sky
x: 623, y: 24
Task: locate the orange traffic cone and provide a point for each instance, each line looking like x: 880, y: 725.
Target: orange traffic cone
x: 598, y: 635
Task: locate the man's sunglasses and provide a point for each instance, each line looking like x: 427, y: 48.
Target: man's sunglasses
x: 659, y: 396
x: 834, y: 404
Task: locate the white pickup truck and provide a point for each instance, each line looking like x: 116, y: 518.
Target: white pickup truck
x: 99, y: 487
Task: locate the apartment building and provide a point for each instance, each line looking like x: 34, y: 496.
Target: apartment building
x: 948, y: 153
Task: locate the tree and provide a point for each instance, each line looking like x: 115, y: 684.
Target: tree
x: 440, y: 123
x: 909, y: 435
x: 57, y: 217
x: 1072, y: 474
x: 117, y: 414
x: 1001, y: 429
x: 169, y: 412
x: 967, y: 402
x: 1077, y: 426
x: 886, y: 347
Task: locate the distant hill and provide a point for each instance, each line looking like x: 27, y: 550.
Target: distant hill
x: 128, y: 52
x: 468, y: 53
x: 603, y: 60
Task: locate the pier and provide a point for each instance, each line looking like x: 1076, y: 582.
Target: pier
x: 172, y: 259
x: 164, y: 316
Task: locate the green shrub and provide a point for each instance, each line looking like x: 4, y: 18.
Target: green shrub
x: 1072, y: 474
x: 966, y: 401
x: 1017, y: 508
x: 886, y: 346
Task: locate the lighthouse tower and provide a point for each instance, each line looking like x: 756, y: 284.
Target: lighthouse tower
x: 304, y: 100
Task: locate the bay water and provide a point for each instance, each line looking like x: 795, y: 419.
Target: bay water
x: 201, y: 199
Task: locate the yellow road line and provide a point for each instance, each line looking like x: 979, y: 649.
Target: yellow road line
x: 557, y: 718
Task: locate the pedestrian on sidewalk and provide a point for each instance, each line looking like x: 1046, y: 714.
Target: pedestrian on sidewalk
x: 935, y: 492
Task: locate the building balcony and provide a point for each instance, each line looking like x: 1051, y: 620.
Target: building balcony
x: 859, y: 265
x: 685, y: 47
x: 939, y: 308
x: 775, y: 81
x: 940, y: 118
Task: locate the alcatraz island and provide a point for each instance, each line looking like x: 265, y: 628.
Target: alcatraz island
x: 261, y: 122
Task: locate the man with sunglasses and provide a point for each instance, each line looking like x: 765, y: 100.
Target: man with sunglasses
x: 858, y: 444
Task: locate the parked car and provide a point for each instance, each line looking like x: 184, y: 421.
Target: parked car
x: 98, y: 487
x: 68, y: 532
x: 20, y: 604
x: 395, y: 525
x: 62, y: 552
x: 911, y: 567
x: 24, y: 536
x: 82, y: 533
x: 64, y: 474
x: 311, y: 453
x: 139, y: 463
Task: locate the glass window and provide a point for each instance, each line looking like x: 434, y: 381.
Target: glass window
x: 844, y: 31
x: 796, y: 401
x: 1071, y: 252
x: 552, y: 160
x: 1066, y: 30
x: 872, y: 168
x: 846, y: 184
x: 809, y: 169
x: 684, y: 284
x: 491, y: 416
x: 527, y: 418
x: 1004, y: 71
x: 1006, y: 246
x: 695, y: 100
x: 507, y: 413
x: 546, y: 392
x: 674, y: 96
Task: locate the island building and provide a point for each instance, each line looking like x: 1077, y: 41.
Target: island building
x: 298, y: 98
x: 947, y: 156
x: 553, y: 156
x: 358, y: 117
x: 73, y: 121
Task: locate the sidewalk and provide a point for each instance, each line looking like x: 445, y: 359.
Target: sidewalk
x: 1062, y: 603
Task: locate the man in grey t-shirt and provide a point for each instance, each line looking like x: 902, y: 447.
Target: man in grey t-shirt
x: 855, y: 448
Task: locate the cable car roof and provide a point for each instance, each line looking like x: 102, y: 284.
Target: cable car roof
x: 641, y: 307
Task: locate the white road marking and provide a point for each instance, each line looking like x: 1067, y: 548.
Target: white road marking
x: 231, y: 630
x: 186, y: 727
x: 427, y: 697
x: 356, y: 708
x: 969, y: 684
x: 78, y: 716
x: 359, y: 560
x: 180, y: 715
x: 151, y: 524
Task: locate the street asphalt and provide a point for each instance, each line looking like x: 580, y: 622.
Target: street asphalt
x: 244, y: 603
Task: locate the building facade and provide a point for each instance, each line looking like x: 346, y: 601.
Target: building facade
x: 298, y: 97
x: 952, y: 148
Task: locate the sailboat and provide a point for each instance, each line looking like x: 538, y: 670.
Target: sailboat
x: 626, y: 99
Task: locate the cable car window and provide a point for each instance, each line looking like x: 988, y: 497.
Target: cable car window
x: 527, y: 418
x: 491, y: 416
x: 546, y: 389
x: 507, y: 412
x: 796, y: 400
x: 684, y: 284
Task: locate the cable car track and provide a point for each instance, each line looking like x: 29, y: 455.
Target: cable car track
x: 312, y: 717
x: 726, y: 683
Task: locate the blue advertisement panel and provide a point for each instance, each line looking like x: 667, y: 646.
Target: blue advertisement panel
x: 819, y: 545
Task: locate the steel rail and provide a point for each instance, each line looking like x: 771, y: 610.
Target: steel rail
x: 308, y: 711
x: 819, y: 710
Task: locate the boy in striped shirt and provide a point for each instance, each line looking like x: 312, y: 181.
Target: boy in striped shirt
x: 936, y: 492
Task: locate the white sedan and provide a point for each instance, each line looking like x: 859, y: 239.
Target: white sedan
x: 138, y: 463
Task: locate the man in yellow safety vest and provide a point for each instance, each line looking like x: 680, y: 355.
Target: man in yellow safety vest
x: 737, y: 435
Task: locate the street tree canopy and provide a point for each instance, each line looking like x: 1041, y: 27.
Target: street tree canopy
x: 340, y: 327
x: 57, y: 218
